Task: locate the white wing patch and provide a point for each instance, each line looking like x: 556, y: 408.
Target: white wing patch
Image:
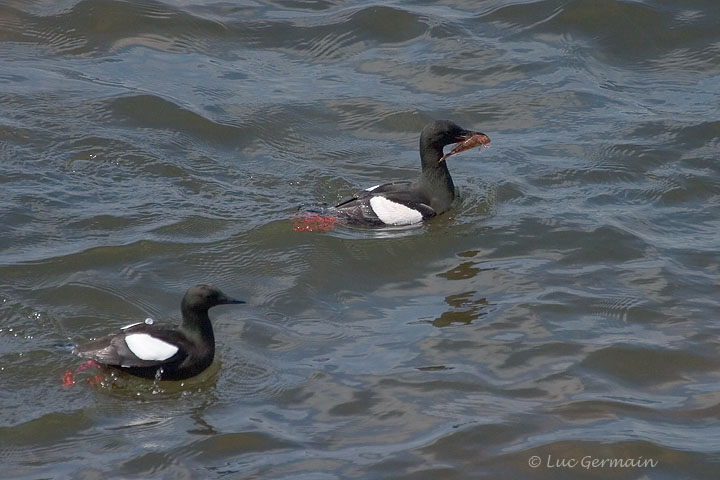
x: 147, y: 347
x: 370, y: 189
x: 394, y: 213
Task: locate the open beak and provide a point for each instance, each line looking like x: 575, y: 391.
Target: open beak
x: 466, y: 141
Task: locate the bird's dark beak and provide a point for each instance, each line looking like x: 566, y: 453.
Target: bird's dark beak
x: 229, y: 301
x: 466, y: 140
x: 468, y: 134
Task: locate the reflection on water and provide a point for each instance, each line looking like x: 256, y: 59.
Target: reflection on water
x: 563, y: 308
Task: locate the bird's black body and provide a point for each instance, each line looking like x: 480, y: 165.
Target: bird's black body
x: 402, y: 203
x: 167, y: 352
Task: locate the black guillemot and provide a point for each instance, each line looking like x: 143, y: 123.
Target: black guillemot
x: 404, y: 202
x: 163, y: 352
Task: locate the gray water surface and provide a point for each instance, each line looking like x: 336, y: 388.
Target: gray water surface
x: 564, y: 311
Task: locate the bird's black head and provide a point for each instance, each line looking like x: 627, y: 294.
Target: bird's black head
x: 203, y: 297
x: 436, y: 135
x: 439, y: 133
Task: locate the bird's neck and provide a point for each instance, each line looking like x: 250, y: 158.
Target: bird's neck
x: 196, y: 323
x: 435, y: 176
